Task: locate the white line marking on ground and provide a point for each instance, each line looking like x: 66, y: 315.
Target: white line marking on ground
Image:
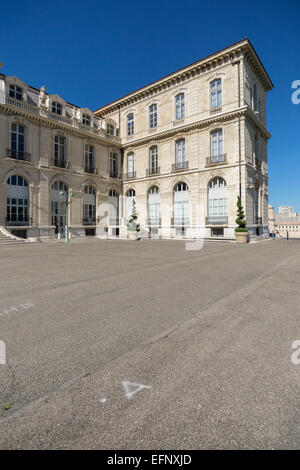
x: 131, y: 388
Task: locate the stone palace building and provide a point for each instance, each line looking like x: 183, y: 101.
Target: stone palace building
x: 183, y: 148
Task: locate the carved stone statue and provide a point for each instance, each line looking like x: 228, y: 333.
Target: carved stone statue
x: 42, y: 96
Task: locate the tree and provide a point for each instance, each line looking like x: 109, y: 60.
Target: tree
x: 240, y: 221
x: 133, y: 224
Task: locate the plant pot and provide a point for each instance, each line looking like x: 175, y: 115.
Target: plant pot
x: 133, y: 234
x: 241, y: 237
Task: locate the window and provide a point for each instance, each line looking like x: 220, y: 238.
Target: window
x: 17, y: 201
x: 130, y: 165
x: 130, y: 197
x: 217, y: 202
x: 89, y: 205
x: 153, y: 206
x: 113, y: 207
x: 17, y: 140
x: 130, y: 124
x: 181, y: 204
x: 86, y: 119
x: 153, y: 160
x: 179, y: 105
x: 56, y: 108
x: 15, y: 92
x: 113, y: 165
x: 59, y: 197
x: 110, y: 129
x: 89, y: 159
x: 216, y: 146
x: 153, y: 116
x: 255, y: 103
x: 216, y: 93
x: 180, y: 154
x: 59, y: 151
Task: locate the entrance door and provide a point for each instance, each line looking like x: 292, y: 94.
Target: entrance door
x: 59, y: 197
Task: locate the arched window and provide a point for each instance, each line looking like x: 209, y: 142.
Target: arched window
x: 59, y: 197
x: 89, y: 205
x: 181, y: 204
x: 179, y: 106
x: 130, y: 124
x: 17, y: 194
x: 130, y: 197
x: 216, y: 93
x: 153, y: 206
x: 153, y: 160
x: 113, y: 207
x: 217, y: 202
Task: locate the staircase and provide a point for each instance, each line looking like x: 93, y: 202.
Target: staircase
x: 6, y: 238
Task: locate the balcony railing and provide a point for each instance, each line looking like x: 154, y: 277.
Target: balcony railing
x: 153, y: 221
x: 60, y: 163
x: 130, y: 175
x: 114, y: 174
x: 216, y: 220
x: 22, y: 105
x: 153, y: 171
x: 177, y: 166
x: 17, y: 155
x: 90, y: 169
x: 258, y: 220
x: 180, y: 221
x: 216, y: 159
x: 88, y: 221
x: 216, y: 109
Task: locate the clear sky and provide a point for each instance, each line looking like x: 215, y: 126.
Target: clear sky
x: 92, y: 52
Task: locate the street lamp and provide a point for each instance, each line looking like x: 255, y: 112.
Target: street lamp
x: 62, y: 196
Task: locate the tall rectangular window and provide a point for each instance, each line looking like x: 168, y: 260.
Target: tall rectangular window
x: 113, y: 164
x: 216, y: 145
x: 130, y: 165
x: 255, y: 106
x: 59, y: 151
x: 89, y: 159
x: 153, y: 116
x: 130, y: 124
x: 153, y: 160
x: 180, y: 153
x: 17, y: 139
x: 179, y: 104
x: 216, y: 93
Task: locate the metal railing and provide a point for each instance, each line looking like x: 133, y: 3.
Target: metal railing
x: 216, y: 159
x: 180, y: 221
x: 17, y: 155
x: 88, y: 221
x: 60, y: 163
x: 115, y: 174
x: 180, y: 166
x: 153, y: 171
x: 130, y: 175
x: 153, y: 221
x: 216, y: 220
x: 216, y: 109
x: 91, y: 169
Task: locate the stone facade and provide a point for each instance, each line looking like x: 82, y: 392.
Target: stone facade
x: 182, y: 147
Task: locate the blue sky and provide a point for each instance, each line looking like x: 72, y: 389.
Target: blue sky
x: 93, y: 52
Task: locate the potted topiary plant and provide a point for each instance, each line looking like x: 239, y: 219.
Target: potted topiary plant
x: 241, y: 232
x: 133, y: 225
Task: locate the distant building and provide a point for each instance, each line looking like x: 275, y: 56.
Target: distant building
x: 287, y: 221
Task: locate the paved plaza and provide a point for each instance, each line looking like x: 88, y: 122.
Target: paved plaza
x: 114, y: 344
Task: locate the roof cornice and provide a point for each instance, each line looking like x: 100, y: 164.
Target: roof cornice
x: 231, y: 53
